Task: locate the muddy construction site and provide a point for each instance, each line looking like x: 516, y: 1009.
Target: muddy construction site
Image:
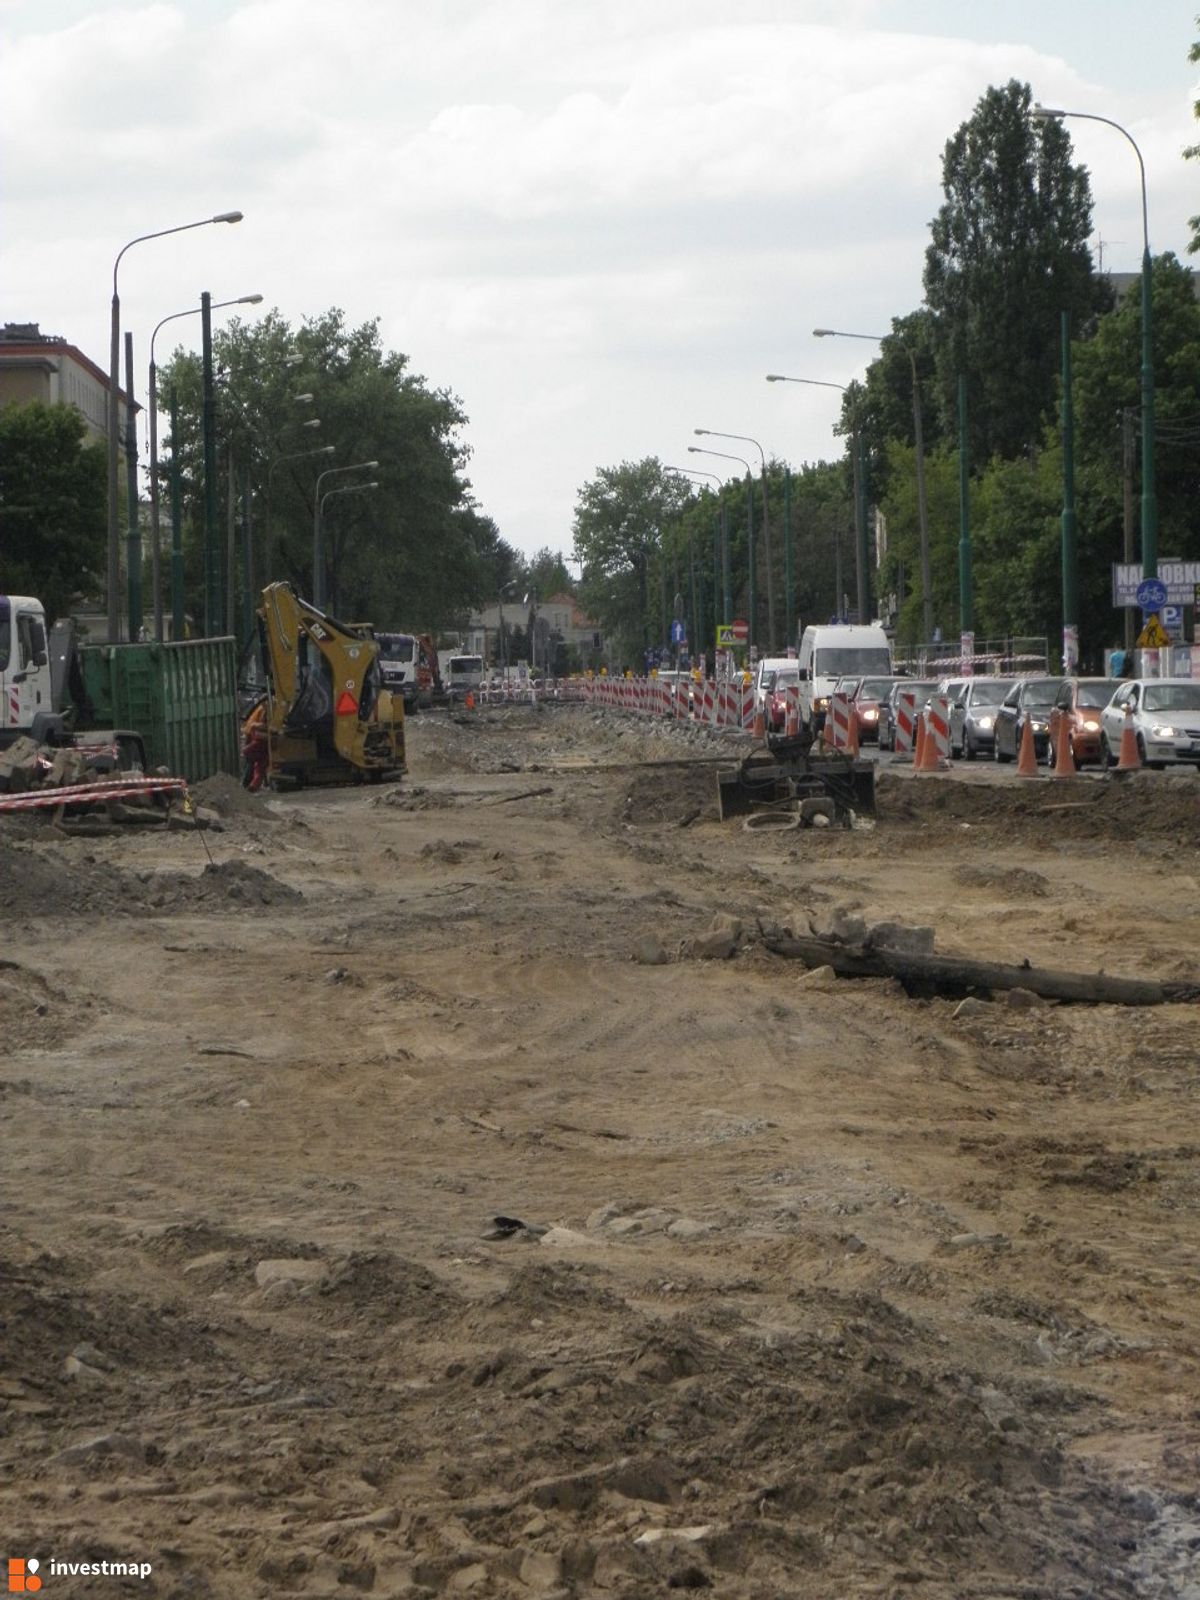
x: 444, y: 1189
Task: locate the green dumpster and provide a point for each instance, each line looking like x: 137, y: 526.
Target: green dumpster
x: 181, y: 697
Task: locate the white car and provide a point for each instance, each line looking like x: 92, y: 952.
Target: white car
x: 1166, y: 720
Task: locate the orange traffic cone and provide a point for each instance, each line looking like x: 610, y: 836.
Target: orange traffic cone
x: 918, y: 742
x: 927, y: 753
x: 1130, y: 759
x: 1027, y: 759
x: 470, y: 701
x: 1064, y: 761
x: 758, y: 729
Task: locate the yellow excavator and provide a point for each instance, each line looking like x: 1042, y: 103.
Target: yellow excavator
x: 327, y: 717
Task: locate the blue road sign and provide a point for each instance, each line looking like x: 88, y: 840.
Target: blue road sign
x: 1151, y: 594
x: 678, y: 633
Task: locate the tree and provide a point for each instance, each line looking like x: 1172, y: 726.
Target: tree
x: 1008, y: 254
x: 619, y: 519
x: 1192, y: 152
x: 416, y: 553
x: 53, y: 518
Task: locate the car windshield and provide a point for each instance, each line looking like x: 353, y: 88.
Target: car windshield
x: 922, y: 688
x: 988, y: 694
x: 784, y: 680
x: 847, y: 661
x: 1171, y: 697
x: 1095, y: 694
x: 396, y: 646
x: 1041, y: 691
x: 874, y: 688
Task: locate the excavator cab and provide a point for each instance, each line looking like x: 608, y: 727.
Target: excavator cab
x: 329, y: 719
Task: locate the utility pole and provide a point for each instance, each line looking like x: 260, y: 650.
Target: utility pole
x: 212, y: 600
x: 1128, y: 456
x: 133, y: 557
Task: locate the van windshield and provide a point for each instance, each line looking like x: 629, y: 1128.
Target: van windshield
x: 461, y: 665
x: 845, y: 661
x: 397, y: 646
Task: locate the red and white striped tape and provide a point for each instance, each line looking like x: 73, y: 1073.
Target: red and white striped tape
x: 72, y: 794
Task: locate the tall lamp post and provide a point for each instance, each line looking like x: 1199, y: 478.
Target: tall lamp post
x: 156, y: 545
x: 858, y: 465
x: 746, y: 439
x: 347, y: 488
x: 919, y: 452
x: 279, y: 461
x: 692, y: 472
x: 114, y: 415
x: 318, y: 599
x: 697, y: 450
x: 1041, y: 113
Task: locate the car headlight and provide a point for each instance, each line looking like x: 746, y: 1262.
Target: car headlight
x: 821, y: 704
x: 870, y: 714
x: 1091, y: 727
x: 1038, y: 727
x: 984, y: 723
x: 1160, y: 731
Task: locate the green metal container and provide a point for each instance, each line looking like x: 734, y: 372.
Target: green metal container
x: 181, y: 697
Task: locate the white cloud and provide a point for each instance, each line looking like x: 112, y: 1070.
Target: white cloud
x: 592, y: 222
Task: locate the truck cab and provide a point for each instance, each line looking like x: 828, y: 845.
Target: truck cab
x: 26, y: 697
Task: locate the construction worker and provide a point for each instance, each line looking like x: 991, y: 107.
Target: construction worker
x: 254, y: 747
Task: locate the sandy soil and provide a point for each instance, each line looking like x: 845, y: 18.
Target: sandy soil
x: 806, y: 1288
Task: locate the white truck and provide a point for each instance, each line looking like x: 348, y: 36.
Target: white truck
x: 837, y: 650
x: 461, y: 674
x: 42, y: 693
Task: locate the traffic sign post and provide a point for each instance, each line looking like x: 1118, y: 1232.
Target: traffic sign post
x: 1151, y: 594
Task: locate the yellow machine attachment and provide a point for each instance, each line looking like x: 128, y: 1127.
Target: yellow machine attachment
x: 329, y: 719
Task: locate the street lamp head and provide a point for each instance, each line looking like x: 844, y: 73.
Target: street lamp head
x: 695, y: 450
x: 776, y: 377
x: 327, y: 449
x: 1041, y: 113
x: 248, y: 300
x: 302, y: 399
x: 823, y: 333
x: 701, y: 430
x: 313, y: 422
x: 228, y: 216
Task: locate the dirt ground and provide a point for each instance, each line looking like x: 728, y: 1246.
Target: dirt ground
x: 402, y: 1203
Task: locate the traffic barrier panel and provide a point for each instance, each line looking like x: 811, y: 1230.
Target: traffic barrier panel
x: 906, y: 722
x: 837, y: 721
x: 937, y: 723
x: 746, y: 715
x: 926, y: 757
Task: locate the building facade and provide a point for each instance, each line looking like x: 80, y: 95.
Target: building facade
x: 37, y: 366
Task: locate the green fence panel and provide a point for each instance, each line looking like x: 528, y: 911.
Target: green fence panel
x: 181, y: 697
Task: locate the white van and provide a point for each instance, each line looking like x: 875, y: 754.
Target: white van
x: 838, y: 650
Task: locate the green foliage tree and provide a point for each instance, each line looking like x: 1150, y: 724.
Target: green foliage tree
x: 620, y: 516
x: 1008, y: 253
x: 53, y: 517
x: 418, y: 552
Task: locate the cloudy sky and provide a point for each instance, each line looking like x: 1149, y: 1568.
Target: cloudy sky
x: 599, y: 222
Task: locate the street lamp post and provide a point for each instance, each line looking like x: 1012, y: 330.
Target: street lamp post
x: 295, y: 455
x: 114, y: 414
x: 746, y: 439
x: 349, y: 488
x: 695, y: 449
x: 859, y: 467
x: 919, y: 453
x: 1149, y: 486
x: 155, y: 549
x: 318, y: 599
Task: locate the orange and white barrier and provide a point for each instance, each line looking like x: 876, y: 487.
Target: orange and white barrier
x: 906, y: 722
x: 937, y: 725
x: 837, y: 722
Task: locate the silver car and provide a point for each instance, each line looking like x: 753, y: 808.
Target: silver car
x: 1166, y: 720
x: 973, y: 715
